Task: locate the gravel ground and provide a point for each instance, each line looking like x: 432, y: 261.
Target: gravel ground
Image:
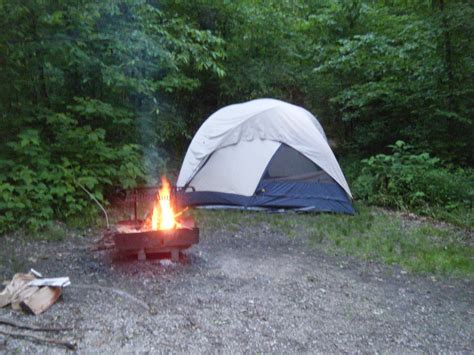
x: 240, y: 292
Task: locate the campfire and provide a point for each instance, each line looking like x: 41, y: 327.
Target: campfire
x: 163, y: 216
x: 162, y: 231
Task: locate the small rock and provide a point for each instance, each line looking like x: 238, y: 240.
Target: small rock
x: 166, y: 262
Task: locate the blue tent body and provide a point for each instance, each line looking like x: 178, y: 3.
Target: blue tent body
x: 290, y: 181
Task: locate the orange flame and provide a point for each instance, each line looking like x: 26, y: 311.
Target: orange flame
x: 163, y: 216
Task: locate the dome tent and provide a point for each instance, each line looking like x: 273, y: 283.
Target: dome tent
x: 263, y: 153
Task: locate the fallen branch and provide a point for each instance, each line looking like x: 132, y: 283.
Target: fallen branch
x: 114, y: 290
x: 98, y: 240
x: 103, y: 243
x: 31, y: 327
x: 102, y: 247
x: 96, y: 201
x: 67, y: 344
x: 107, y: 236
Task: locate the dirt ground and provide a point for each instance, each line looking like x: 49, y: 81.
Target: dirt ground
x: 239, y: 292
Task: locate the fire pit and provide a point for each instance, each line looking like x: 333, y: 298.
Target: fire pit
x: 162, y: 231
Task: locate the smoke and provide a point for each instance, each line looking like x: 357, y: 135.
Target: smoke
x: 140, y: 59
x: 154, y: 162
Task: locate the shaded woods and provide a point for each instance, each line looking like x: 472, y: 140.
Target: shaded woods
x: 107, y: 93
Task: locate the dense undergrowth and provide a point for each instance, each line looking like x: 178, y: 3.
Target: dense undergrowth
x: 40, y: 183
x: 417, y: 182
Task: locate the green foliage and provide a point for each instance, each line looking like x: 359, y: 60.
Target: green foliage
x: 417, y: 182
x: 41, y: 184
x: 373, y: 71
x: 400, y: 72
x: 106, y: 92
x: 83, y: 90
x: 52, y: 233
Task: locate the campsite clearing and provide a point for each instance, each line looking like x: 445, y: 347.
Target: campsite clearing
x: 254, y: 283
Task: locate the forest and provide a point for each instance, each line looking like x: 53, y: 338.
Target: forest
x: 109, y: 93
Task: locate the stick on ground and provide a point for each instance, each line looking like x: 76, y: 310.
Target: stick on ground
x: 65, y: 343
x: 19, y: 325
x: 101, y: 247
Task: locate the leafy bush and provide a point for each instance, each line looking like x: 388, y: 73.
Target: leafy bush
x: 417, y: 182
x: 40, y: 182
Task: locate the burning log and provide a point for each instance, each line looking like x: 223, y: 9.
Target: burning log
x: 162, y: 231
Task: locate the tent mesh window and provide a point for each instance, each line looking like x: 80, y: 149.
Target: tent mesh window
x: 289, y: 164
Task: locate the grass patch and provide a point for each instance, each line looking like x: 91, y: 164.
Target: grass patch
x: 237, y: 220
x: 52, y: 233
x: 88, y: 220
x: 371, y: 234
x: 379, y: 236
x: 462, y: 217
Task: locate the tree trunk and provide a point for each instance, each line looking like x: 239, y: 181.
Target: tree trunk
x: 38, y: 54
x: 448, y: 53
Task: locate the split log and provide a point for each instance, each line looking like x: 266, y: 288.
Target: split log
x: 23, y: 295
x: 41, y: 300
x: 14, y: 288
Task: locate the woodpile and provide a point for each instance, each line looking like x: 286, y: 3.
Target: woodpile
x: 31, y: 292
